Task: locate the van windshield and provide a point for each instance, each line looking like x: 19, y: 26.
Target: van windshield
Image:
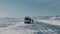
x: 26, y: 18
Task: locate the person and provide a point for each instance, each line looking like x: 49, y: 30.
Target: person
x: 32, y: 20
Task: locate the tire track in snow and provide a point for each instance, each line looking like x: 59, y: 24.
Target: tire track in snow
x: 50, y: 29
x: 36, y: 28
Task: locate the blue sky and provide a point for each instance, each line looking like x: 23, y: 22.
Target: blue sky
x: 22, y: 8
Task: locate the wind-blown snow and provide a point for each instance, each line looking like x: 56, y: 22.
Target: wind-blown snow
x: 38, y: 27
x: 53, y: 22
x: 12, y: 29
x: 21, y: 28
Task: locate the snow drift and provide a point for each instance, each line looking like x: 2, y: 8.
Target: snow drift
x: 16, y: 26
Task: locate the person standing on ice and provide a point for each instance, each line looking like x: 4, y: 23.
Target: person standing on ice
x: 32, y: 21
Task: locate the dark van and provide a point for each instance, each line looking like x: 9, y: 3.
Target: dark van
x: 27, y: 20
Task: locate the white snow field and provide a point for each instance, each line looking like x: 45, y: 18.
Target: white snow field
x: 52, y: 20
x: 18, y: 27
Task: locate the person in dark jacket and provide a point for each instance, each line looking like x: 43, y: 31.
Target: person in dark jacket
x: 32, y: 20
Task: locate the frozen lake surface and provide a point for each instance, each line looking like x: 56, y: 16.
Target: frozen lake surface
x: 9, y: 26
